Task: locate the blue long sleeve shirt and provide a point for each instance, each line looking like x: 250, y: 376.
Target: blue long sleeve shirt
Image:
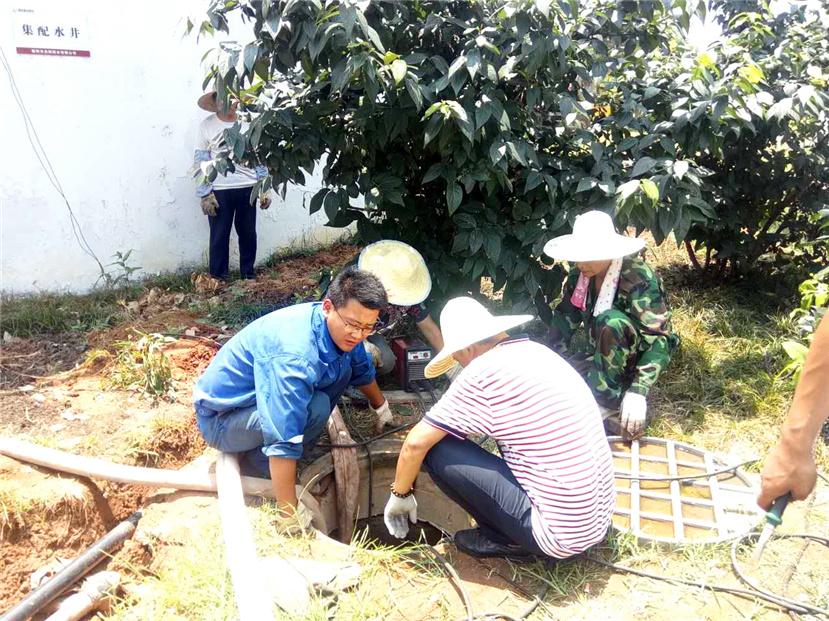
x: 278, y: 362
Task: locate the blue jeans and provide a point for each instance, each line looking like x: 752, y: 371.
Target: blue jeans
x: 484, y: 486
x: 239, y: 431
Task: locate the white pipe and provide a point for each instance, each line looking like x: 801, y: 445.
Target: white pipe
x: 93, y: 594
x: 100, y: 469
x: 248, y: 586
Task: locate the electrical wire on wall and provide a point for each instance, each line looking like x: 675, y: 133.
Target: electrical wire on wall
x: 46, y: 165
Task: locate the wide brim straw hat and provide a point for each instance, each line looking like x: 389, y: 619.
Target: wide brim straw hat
x: 593, y: 239
x: 208, y: 102
x: 464, y: 322
x: 400, y: 268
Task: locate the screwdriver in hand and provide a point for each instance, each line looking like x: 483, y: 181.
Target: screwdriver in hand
x: 774, y: 517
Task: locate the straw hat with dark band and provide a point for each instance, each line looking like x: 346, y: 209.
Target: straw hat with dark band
x: 464, y: 322
x: 400, y: 268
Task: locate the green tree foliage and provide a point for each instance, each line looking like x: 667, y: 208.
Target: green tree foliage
x: 476, y: 131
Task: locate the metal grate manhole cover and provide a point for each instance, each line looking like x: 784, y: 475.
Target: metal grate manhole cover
x: 705, y: 510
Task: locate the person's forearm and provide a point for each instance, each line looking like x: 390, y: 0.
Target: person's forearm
x: 810, y: 406
x: 408, y: 465
x: 432, y: 333
x: 283, y: 477
x: 373, y: 394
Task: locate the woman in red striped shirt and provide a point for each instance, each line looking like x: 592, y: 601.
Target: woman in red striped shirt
x: 552, y: 493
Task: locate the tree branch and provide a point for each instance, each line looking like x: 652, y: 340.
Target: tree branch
x: 692, y: 255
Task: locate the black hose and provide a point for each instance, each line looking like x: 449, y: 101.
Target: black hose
x: 687, y: 477
x: 419, y: 396
x: 467, y: 602
x: 783, y: 602
x: 74, y: 571
x: 368, y: 441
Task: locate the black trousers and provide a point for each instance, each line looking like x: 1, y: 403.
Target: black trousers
x: 233, y: 202
x: 484, y: 486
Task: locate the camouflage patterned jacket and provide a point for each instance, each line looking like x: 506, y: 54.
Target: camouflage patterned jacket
x: 641, y: 297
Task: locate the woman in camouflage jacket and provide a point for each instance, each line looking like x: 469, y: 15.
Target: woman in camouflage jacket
x: 620, y: 300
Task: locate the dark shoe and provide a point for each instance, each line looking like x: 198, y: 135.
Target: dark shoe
x: 475, y: 543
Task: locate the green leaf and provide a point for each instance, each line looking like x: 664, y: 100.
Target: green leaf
x: 432, y: 109
x: 650, y: 92
x: 476, y: 240
x: 414, y: 92
x: 650, y: 189
x: 720, y: 105
x: 796, y: 351
x: 643, y: 166
x: 780, y: 109
x: 435, y: 170
x: 316, y: 201
x: 521, y: 210
x: 534, y: 179
x: 331, y: 205
x: 399, y: 68
x: 432, y: 128
x: 680, y: 168
x: 492, y: 245
x: 465, y: 221
x: 588, y: 183
x: 626, y: 190
x: 473, y: 62
x: 250, y: 53
x: 454, y: 196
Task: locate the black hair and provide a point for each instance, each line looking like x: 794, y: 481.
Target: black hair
x: 360, y: 285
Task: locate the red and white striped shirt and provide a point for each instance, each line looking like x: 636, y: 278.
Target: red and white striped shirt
x: 547, y: 425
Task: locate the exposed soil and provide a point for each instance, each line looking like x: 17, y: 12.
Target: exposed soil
x: 47, y: 516
x: 25, y: 360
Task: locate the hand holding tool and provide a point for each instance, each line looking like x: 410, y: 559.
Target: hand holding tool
x: 774, y: 517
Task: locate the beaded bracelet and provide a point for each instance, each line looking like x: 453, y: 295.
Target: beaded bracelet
x: 406, y: 495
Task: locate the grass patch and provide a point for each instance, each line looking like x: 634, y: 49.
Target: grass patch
x: 239, y: 312
x: 49, y: 313
x: 193, y: 583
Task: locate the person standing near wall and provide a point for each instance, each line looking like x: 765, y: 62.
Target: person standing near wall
x: 228, y: 198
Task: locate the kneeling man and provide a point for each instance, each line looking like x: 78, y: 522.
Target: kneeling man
x: 270, y: 390
x: 553, y: 492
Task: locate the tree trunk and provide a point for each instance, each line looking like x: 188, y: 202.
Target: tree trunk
x: 692, y: 255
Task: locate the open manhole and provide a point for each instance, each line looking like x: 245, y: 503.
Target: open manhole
x: 710, y: 509
x: 435, y: 511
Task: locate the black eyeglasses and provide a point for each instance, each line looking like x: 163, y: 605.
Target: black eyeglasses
x: 356, y: 330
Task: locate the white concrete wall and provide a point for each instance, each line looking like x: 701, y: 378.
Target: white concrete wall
x: 119, y: 130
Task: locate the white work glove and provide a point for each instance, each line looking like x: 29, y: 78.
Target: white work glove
x: 398, y: 513
x: 383, y: 416
x: 294, y: 522
x: 634, y: 411
x: 452, y: 373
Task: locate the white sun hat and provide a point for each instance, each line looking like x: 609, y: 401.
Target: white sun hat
x: 593, y: 239
x: 400, y: 268
x: 464, y: 322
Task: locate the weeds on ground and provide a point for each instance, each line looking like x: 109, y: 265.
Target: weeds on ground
x: 192, y: 583
x: 142, y: 365
x: 49, y: 313
x: 164, y: 435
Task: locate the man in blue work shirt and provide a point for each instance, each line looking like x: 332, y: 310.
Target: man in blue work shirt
x: 269, y: 391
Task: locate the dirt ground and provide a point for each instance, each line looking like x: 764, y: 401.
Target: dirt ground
x: 54, y: 392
